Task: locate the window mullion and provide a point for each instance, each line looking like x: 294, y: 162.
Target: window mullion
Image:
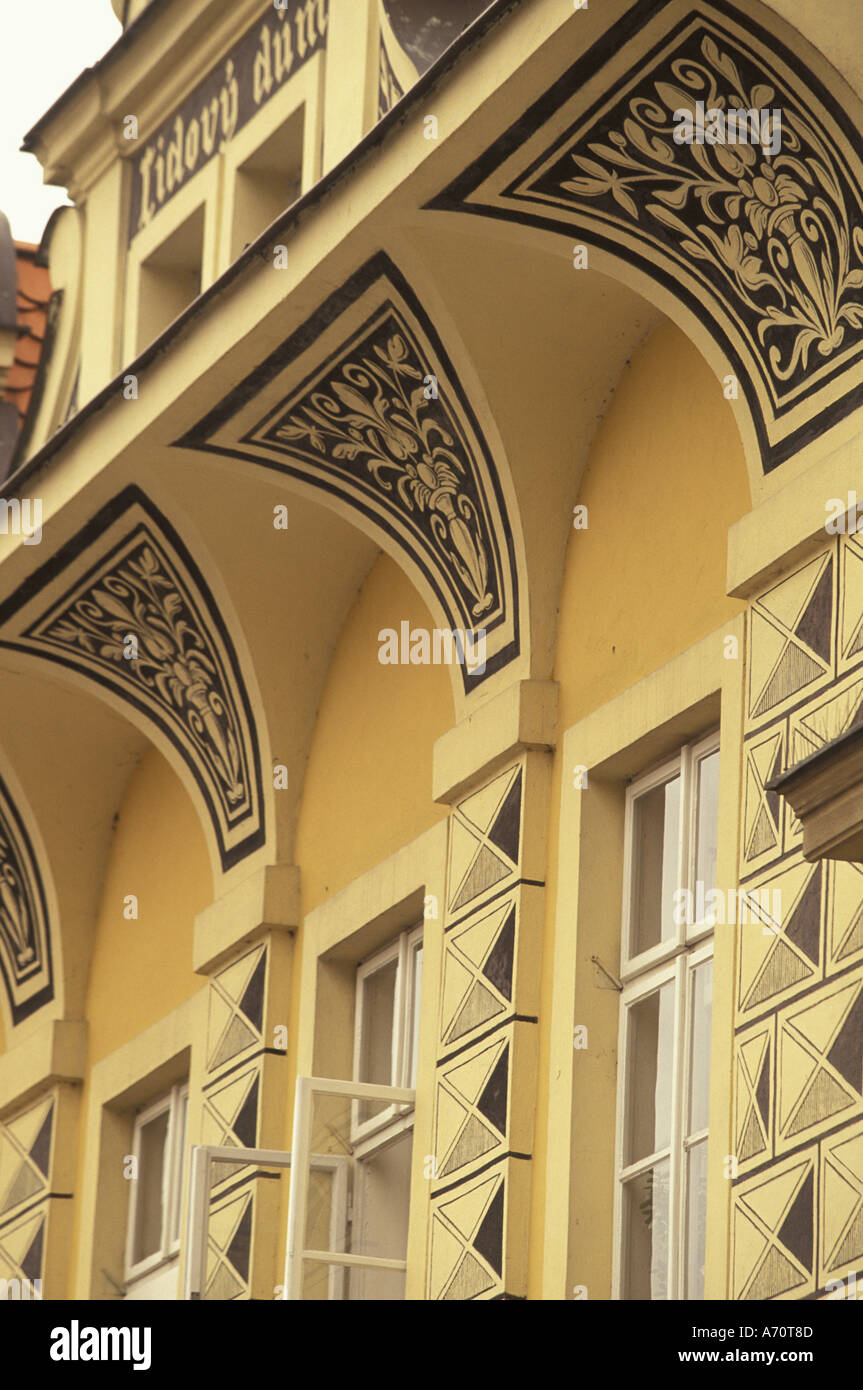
x: 675, y: 1181
x: 687, y: 836
x: 641, y: 1165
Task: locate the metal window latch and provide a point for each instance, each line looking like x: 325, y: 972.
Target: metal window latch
x: 616, y: 984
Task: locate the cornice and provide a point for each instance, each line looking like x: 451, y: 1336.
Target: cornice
x: 80, y: 136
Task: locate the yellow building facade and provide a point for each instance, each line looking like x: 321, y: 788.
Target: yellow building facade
x: 429, y: 550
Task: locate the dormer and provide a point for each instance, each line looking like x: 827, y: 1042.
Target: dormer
x: 204, y: 122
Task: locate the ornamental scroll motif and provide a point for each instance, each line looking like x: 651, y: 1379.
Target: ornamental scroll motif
x: 781, y: 227
x: 379, y: 414
x: 700, y: 149
x: 364, y: 407
x: 135, y: 617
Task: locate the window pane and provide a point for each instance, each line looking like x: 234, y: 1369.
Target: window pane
x: 380, y: 1225
x: 417, y: 964
x: 701, y: 1014
x: 376, y: 1035
x: 696, y: 1220
x: 655, y: 865
x: 707, y: 821
x: 645, y: 1273
x: 648, y: 1081
x: 151, y: 1167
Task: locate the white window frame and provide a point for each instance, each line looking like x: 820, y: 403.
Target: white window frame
x: 201, y: 1159
x: 383, y: 1128
x: 174, y: 1102
x: 685, y: 764
x: 643, y: 973
x: 297, y: 1253
x: 679, y: 972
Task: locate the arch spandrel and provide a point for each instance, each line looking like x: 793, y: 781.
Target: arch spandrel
x: 363, y: 405
x: 124, y: 607
x: 761, y: 252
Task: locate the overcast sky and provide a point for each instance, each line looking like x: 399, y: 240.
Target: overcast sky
x: 45, y: 44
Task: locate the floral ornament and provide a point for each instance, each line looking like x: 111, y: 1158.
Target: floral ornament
x: 780, y: 228
x: 140, y: 600
x: 15, y: 921
x: 379, y: 413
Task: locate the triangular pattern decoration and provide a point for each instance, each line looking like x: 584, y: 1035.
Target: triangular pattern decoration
x: 499, y: 965
x: 31, y: 1264
x: 488, y: 1240
x: 469, y: 1280
x: 480, y: 1006
x: 466, y: 1261
x: 846, y: 1053
x: 236, y: 1008
x: 493, y: 1101
x: 236, y: 1039
x: 777, y: 1275
x: 239, y: 1250
x: 474, y: 1140
x: 814, y: 627
x: 797, y: 1230
x: 791, y: 635
x: 478, y: 972
x: 852, y: 599
x: 505, y: 833
x: 804, y: 926
x: 774, y: 1233
x: 485, y: 871
x: 40, y: 1151
x: 252, y: 1001
x: 246, y: 1122
x: 26, y: 1185
x: 783, y: 969
x: 484, y: 839
x: 775, y: 960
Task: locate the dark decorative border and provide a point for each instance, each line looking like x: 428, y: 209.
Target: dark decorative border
x: 207, y: 618
x: 409, y: 523
x: 25, y: 934
x: 774, y: 447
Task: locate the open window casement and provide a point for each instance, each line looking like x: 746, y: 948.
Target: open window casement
x: 203, y: 1255
x: 380, y: 1184
x: 335, y: 1200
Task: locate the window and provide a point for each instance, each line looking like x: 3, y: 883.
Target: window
x: 268, y: 182
x: 362, y: 1254
x: 170, y: 278
x: 386, y: 1035
x: 159, y: 1142
x: 664, y: 1052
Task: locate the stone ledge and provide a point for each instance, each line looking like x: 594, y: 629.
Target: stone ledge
x: 523, y: 717
x: 56, y: 1052
x: 266, y: 901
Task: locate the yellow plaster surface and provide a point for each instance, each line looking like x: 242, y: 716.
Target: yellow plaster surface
x: 369, y: 776
x: 142, y: 969
x: 665, y: 480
